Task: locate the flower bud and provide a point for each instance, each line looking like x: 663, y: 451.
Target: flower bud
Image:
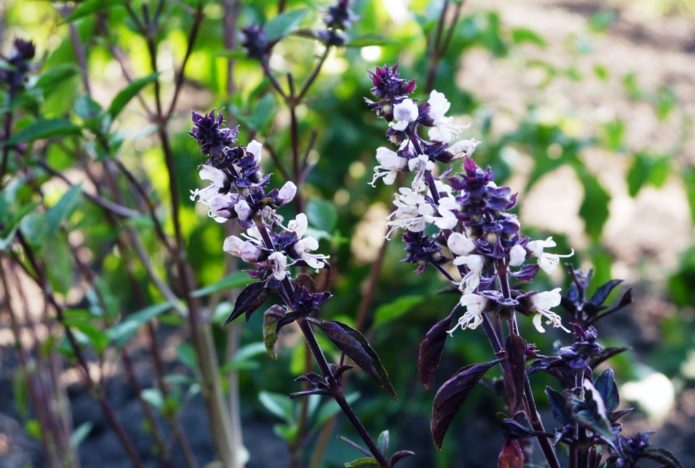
x: 287, y: 193
x: 243, y: 210
x: 250, y: 252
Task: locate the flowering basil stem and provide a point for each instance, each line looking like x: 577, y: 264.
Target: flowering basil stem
x: 238, y: 191
x: 461, y: 224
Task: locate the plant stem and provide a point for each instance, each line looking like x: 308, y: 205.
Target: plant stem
x: 335, y: 388
x: 201, y: 335
x: 42, y: 282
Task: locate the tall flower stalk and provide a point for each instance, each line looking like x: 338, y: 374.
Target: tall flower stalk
x: 461, y: 224
x: 238, y: 191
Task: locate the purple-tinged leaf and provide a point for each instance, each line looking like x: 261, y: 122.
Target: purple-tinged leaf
x: 363, y: 461
x: 400, y: 455
x: 619, y: 414
x: 559, y: 406
x: 286, y: 320
x: 604, y: 355
x: 515, y: 348
x: 511, y: 455
x: 663, y: 456
x: 451, y: 396
x: 603, y: 291
x: 250, y: 299
x: 431, y: 350
x: 624, y: 301
x: 513, y: 429
x: 357, y: 348
x: 605, y: 384
x: 271, y: 317
x: 590, y: 413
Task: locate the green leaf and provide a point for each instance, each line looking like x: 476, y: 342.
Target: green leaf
x: 383, y: 441
x: 271, y: 317
x: 331, y: 408
x: 521, y: 35
x: 122, y: 332
x: 93, y: 335
x: 44, y: 128
x: 80, y: 434
x: 638, y: 173
x: 283, y: 24
x: 244, y: 357
x: 154, y: 397
x: 322, y: 214
x: 62, y: 210
x: 58, y: 260
x: 90, y: 6
x: 129, y: 92
x: 261, y: 114
x: 369, y: 40
x: 52, y: 77
x: 278, y: 404
x: 594, y: 207
x: 689, y: 182
x: 393, y: 310
x: 234, y: 280
x: 186, y: 354
x: 363, y: 461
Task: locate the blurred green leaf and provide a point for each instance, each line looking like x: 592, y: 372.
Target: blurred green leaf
x: 154, y: 397
x: 521, y: 35
x: 59, y: 212
x: 689, y: 181
x: 602, y: 20
x: 368, y: 40
x: 91, y: 6
x: 44, y: 128
x: 393, y: 310
x: 186, y: 354
x: 278, y: 404
x: 92, y: 334
x: 363, y: 461
x: 53, y: 76
x: 80, y: 434
x: 284, y: 23
x: 122, y: 332
x: 322, y: 214
x: 129, y: 92
x: 234, y: 280
x: 261, y: 114
x: 594, y: 207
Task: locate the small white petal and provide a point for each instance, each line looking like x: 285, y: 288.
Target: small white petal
x: 232, y: 245
x: 299, y: 225
x: 405, y: 111
x: 287, y: 192
x: 249, y: 252
x: 517, y: 255
x: 243, y: 210
x: 214, y: 175
x: 547, y: 299
x: 278, y: 263
x: 389, y: 159
x: 459, y: 244
x: 254, y: 148
x: 439, y: 105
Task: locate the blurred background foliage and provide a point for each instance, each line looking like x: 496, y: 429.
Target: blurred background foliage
x: 585, y: 108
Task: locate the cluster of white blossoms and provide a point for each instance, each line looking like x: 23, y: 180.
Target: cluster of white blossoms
x: 429, y: 201
x: 284, y: 246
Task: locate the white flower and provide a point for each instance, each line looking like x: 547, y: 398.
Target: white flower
x: 217, y: 179
x: 254, y: 148
x: 460, y: 244
x: 444, y: 128
x: 546, y: 261
x: 243, y: 210
x: 420, y: 164
x: 463, y: 148
x: 287, y: 192
x: 447, y: 219
x: 413, y: 212
x: 306, y: 245
x: 389, y: 166
x: 299, y: 225
x: 278, y: 263
x: 471, y: 280
x: 232, y: 245
x: 403, y: 113
x: 249, y: 252
x: 220, y: 206
x: 517, y: 255
x: 473, y: 317
x: 542, y: 302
